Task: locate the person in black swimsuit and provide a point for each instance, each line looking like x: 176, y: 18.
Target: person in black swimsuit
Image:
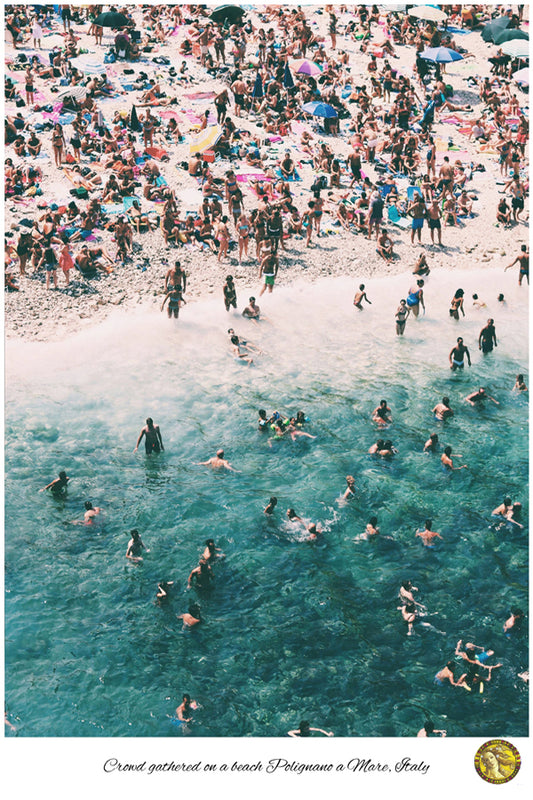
x: 230, y: 294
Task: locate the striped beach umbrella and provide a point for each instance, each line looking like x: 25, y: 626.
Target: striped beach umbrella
x: 77, y: 92
x: 203, y: 140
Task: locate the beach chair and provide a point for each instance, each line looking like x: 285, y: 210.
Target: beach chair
x: 394, y: 217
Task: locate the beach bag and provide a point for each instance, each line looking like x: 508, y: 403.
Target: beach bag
x: 19, y: 102
x: 80, y: 192
x: 109, y: 58
x: 448, y: 90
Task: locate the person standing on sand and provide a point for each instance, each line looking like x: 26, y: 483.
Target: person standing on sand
x: 434, y: 216
x: 153, y: 441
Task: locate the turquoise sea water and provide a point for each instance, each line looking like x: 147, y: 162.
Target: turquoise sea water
x: 292, y: 629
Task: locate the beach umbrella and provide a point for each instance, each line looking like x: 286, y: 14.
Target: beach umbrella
x: 288, y: 82
x: 112, y: 19
x: 429, y: 13
x: 440, y: 55
x: 202, y: 141
x: 522, y: 76
x: 230, y: 13
x: 319, y: 109
x: 517, y: 48
x: 491, y: 29
x: 89, y: 65
x: 135, y: 125
x: 398, y: 7
x: 305, y: 67
x: 77, y: 92
x: 509, y: 35
x: 257, y: 91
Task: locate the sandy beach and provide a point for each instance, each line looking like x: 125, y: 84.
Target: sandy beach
x: 36, y: 314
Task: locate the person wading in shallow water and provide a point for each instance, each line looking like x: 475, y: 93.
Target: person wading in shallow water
x: 153, y: 441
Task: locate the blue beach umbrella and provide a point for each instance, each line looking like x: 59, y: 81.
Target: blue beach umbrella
x: 257, y: 92
x: 288, y: 82
x: 441, y: 55
x: 319, y: 109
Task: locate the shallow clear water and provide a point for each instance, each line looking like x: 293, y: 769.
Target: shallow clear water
x: 292, y: 629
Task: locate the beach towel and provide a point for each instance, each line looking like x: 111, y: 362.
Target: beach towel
x: 158, y: 153
x: 113, y: 208
x: 294, y: 177
x: 128, y: 202
x: 200, y: 95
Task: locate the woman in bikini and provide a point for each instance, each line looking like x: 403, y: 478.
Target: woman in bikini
x: 58, y: 144
x: 243, y: 230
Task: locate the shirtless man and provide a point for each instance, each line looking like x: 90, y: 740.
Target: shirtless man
x: 59, y: 485
x: 192, y: 617
x: 523, y: 260
x: 252, y: 310
x: 385, y: 246
x: 176, y: 278
x: 431, y: 444
x: 487, y: 337
x: 434, y: 215
x: 427, y: 535
x: 447, y: 462
x: 457, y: 355
x: 153, y: 441
x: 477, y: 398
x: 446, y: 175
x: 238, y: 88
x: 360, y: 295
x: 442, y: 410
x: 216, y: 462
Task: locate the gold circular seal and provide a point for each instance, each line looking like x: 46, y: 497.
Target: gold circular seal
x: 497, y: 761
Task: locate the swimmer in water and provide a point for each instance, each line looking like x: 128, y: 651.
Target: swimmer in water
x: 402, y: 312
x: 135, y: 547
x: 442, y: 410
x: 294, y: 431
x: 292, y: 516
x: 514, y: 623
x: 349, y: 492
x: 211, y: 552
x: 163, y: 588
x: 429, y: 730
x: 375, y: 448
x: 216, y: 462
x: 371, y: 528
x: 519, y: 386
x: 153, y: 442
x: 183, y: 711
x: 477, y: 398
x: 239, y: 352
x: 477, y: 303
x: 360, y: 296
x: 447, y: 673
x: 432, y: 443
x: 90, y: 513
x: 469, y: 654
x: 406, y: 593
x: 382, y: 414
x: 252, y: 310
x: 427, y: 535
x: 447, y: 462
x: 409, y: 616
x: 57, y: 487
x: 202, y: 576
x: 314, y: 531
x: 192, y: 617
x: 305, y: 730
x: 272, y: 503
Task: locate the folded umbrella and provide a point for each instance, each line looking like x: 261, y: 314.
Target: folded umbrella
x: 257, y: 91
x: 288, y: 82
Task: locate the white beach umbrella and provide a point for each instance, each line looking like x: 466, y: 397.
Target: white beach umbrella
x: 77, y: 92
x: 428, y: 12
x: 89, y: 65
x: 522, y: 76
x: 516, y: 48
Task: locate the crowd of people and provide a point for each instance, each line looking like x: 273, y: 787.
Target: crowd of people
x: 373, y: 160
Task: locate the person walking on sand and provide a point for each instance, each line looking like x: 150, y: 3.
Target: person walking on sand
x: 152, y: 438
